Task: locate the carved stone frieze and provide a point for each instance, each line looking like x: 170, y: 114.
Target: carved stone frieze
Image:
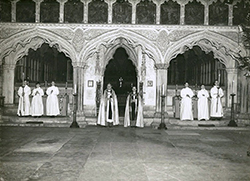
x: 176, y: 35
x: 65, y: 33
x: 161, y: 66
x: 6, y: 32
x: 78, y: 40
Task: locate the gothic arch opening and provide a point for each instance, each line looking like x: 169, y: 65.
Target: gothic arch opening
x: 44, y: 65
x: 121, y: 73
x: 196, y: 67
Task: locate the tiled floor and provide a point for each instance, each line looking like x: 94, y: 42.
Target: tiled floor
x: 98, y: 153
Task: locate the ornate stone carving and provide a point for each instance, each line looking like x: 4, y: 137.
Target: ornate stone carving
x: 161, y: 66
x: 78, y: 40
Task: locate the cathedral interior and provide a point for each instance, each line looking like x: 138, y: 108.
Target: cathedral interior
x: 142, y: 43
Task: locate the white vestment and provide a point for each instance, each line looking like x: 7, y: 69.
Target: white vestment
x: 108, y: 110
x: 216, y: 105
x: 24, y: 101
x: 138, y: 111
x: 203, y: 112
x: 52, y: 104
x: 186, y: 104
x: 37, y: 102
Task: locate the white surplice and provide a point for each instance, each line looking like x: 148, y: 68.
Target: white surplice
x: 52, y: 104
x: 186, y: 104
x: 37, y: 102
x: 108, y: 110
x: 203, y: 112
x: 216, y: 105
x: 138, y: 111
x: 24, y: 101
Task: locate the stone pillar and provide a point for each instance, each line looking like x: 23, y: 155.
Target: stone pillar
x: 230, y: 15
x: 61, y: 10
x: 134, y: 3
x: 231, y: 84
x: 182, y: 14
x: 8, y: 80
x: 206, y: 14
x: 13, y: 10
x: 110, y: 9
x: 161, y: 80
x: 85, y: 10
x: 38, y: 3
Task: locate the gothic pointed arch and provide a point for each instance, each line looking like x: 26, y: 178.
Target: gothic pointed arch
x: 20, y: 43
x: 223, y: 48
x: 127, y: 39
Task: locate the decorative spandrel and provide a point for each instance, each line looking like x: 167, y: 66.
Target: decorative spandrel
x: 97, y: 12
x: 122, y: 12
x: 49, y: 11
x: 170, y: 13
x: 73, y: 11
x: 25, y: 11
x: 5, y: 11
x: 218, y: 14
x: 241, y: 10
x: 145, y: 12
x: 194, y: 13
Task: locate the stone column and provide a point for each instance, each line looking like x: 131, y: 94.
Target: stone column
x: 158, y: 4
x: 85, y: 10
x: 38, y: 3
x: 161, y: 80
x: 230, y: 15
x: 134, y: 3
x: 110, y: 9
x: 182, y: 14
x: 8, y: 80
x: 13, y: 10
x: 206, y: 14
x: 61, y: 10
x: 231, y: 84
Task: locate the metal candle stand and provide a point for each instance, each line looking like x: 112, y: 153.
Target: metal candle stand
x: 162, y: 124
x: 74, y: 124
x: 232, y: 122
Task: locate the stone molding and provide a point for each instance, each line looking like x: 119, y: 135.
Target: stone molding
x: 81, y: 41
x: 162, y: 66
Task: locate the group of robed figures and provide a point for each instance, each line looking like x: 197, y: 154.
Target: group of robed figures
x: 109, y: 113
x: 35, y: 108
x: 216, y: 109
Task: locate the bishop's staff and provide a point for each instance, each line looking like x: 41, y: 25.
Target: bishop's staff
x: 217, y: 100
x: 23, y: 103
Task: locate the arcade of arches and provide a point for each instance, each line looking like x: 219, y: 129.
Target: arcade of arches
x: 167, y: 47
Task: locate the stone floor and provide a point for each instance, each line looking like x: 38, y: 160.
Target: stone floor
x: 98, y: 153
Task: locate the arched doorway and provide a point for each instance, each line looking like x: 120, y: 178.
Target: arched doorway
x: 44, y: 65
x: 121, y: 73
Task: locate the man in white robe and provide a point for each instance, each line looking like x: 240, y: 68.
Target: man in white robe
x: 216, y: 105
x: 37, y: 101
x: 24, y: 92
x: 203, y: 95
x: 186, y: 103
x: 52, y: 104
x: 108, y: 110
x: 133, y: 111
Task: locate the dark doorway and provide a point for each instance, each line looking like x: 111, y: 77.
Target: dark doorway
x: 121, y: 73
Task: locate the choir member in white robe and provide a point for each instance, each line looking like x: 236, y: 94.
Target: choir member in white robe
x: 37, y: 101
x: 52, y: 104
x: 24, y: 92
x: 133, y: 111
x: 216, y: 105
x: 108, y: 110
x: 203, y: 95
x: 186, y: 103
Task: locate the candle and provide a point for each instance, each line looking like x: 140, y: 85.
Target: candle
x: 66, y: 85
x: 233, y: 86
x: 219, y: 78
x: 74, y: 88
